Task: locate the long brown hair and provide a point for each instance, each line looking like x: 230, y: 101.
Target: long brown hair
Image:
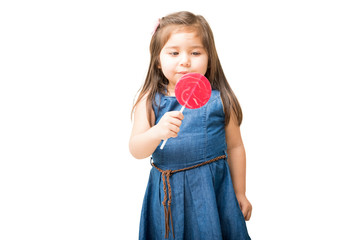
x: 156, y: 81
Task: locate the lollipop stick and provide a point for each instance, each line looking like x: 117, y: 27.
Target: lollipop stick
x: 164, y: 142
x: 182, y: 109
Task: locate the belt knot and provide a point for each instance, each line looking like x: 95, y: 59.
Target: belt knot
x: 167, y: 173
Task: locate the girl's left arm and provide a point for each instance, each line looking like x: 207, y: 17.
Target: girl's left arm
x: 237, y: 165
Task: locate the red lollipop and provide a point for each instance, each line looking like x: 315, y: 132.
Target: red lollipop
x: 193, y: 90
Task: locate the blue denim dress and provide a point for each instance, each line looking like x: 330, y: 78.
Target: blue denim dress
x: 204, y: 205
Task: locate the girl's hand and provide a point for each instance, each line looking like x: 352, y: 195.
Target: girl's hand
x: 169, y: 125
x: 245, y: 206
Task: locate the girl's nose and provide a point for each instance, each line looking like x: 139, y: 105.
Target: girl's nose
x: 185, y: 60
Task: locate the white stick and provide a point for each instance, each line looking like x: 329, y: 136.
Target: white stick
x: 164, y: 142
x: 182, y: 109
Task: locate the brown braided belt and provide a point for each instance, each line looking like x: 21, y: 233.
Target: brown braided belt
x: 166, y: 174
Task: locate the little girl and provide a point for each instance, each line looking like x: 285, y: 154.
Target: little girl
x: 196, y: 188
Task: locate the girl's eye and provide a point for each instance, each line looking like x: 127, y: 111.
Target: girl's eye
x: 196, y: 53
x: 174, y: 53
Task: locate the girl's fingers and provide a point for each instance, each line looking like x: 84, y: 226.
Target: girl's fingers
x: 248, y: 213
x: 175, y: 122
x: 173, y: 118
x: 170, y: 124
x: 246, y: 210
x: 176, y: 114
x: 171, y: 130
x: 174, y: 128
x: 246, y: 216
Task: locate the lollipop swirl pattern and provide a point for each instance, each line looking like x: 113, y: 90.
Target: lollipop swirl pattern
x: 193, y: 91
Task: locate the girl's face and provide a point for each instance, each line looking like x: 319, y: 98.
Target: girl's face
x: 183, y: 53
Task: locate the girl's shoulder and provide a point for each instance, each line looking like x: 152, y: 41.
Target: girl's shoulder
x: 142, y: 109
x: 215, y: 102
x: 215, y: 93
x: 215, y: 96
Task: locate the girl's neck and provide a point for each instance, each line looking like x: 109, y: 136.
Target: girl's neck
x: 170, y: 91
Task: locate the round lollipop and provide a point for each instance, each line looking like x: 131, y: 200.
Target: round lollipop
x: 193, y: 90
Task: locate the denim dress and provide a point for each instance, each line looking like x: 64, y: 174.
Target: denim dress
x: 204, y: 205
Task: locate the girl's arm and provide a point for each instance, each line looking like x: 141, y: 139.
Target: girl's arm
x: 237, y: 165
x: 144, y: 139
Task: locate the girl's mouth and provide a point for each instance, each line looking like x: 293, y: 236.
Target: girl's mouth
x: 184, y: 72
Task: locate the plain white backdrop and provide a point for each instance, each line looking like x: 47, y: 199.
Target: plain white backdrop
x: 69, y: 72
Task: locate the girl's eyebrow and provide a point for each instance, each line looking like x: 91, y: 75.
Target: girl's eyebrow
x: 171, y: 47
x: 195, y: 46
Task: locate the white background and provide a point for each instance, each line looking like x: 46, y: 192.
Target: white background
x: 70, y: 70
